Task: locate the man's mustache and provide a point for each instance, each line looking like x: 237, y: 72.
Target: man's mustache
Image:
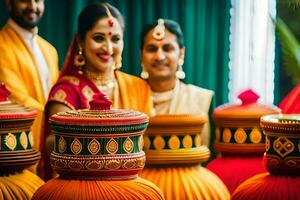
x: 160, y: 63
x: 29, y: 10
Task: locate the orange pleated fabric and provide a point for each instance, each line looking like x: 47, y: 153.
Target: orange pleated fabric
x: 19, y: 186
x: 92, y: 189
x: 187, y: 183
x: 266, y: 186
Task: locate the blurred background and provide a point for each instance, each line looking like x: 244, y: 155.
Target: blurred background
x: 288, y: 51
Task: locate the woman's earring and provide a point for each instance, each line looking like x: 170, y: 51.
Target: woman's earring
x: 180, y: 73
x: 79, y: 60
x: 144, y: 74
x: 118, y: 63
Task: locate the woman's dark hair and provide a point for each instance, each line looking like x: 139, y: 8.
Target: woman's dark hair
x: 92, y: 13
x: 170, y: 25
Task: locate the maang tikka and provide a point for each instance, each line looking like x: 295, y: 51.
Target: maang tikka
x: 159, y: 30
x: 110, y: 21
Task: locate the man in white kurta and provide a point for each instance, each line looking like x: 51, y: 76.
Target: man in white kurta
x: 185, y: 99
x: 162, y: 55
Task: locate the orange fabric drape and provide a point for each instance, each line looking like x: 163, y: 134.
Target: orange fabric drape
x: 20, y: 74
x: 92, y: 189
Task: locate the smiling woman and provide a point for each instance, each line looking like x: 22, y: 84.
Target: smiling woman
x: 90, y: 71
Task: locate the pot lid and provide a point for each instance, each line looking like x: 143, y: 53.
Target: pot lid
x: 178, y: 120
x: 99, y: 114
x: 281, y: 123
x: 248, y: 108
x: 11, y: 111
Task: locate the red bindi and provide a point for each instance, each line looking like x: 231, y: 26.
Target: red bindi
x: 109, y: 33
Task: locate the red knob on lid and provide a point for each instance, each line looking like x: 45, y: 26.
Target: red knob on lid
x: 100, y: 102
x: 4, y: 93
x: 248, y: 97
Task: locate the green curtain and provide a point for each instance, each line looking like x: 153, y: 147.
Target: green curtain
x: 205, y: 24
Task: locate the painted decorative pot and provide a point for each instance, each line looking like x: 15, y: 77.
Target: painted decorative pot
x: 175, y: 139
x: 16, y: 139
x: 238, y: 125
x: 282, y: 143
x: 98, y: 144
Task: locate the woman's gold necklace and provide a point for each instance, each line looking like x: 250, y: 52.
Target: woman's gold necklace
x: 104, y: 83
